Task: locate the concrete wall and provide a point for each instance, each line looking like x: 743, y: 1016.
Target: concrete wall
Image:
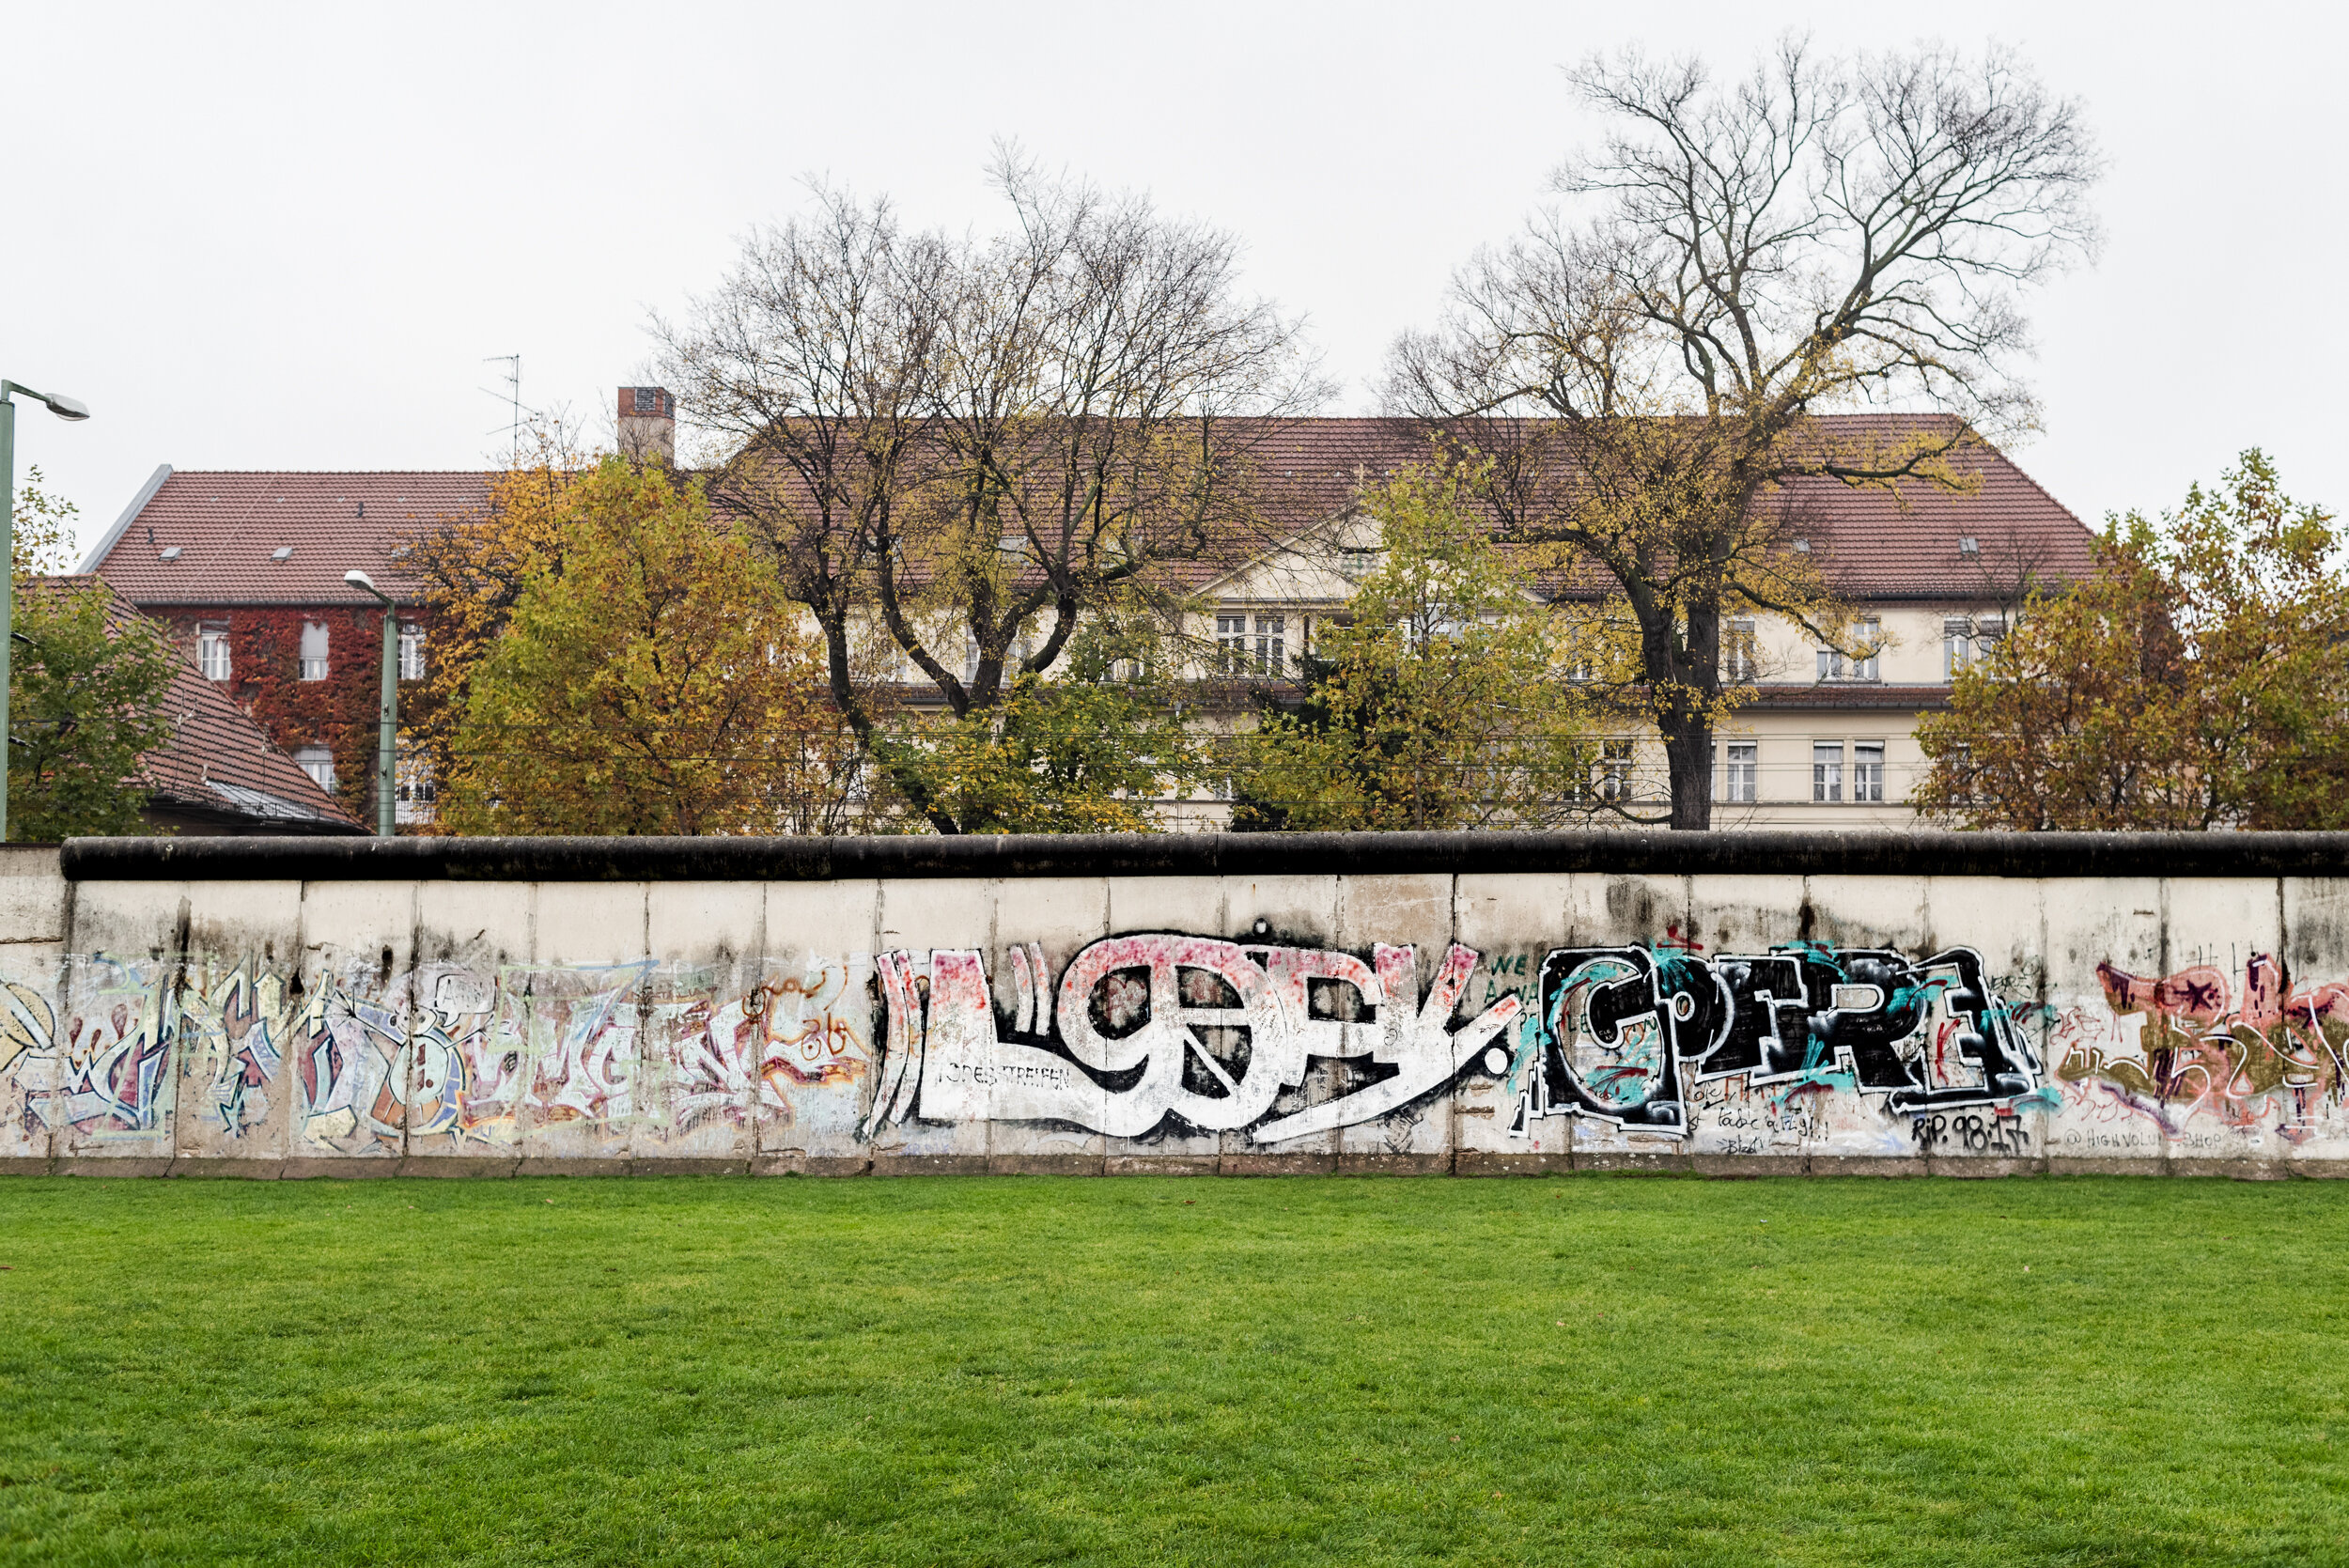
x: 1987, y: 1004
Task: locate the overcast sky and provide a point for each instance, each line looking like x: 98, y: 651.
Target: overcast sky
x: 289, y: 238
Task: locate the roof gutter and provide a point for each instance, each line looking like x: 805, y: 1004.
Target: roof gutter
x: 130, y: 515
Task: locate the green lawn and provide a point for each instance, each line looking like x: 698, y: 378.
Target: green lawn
x: 1028, y: 1369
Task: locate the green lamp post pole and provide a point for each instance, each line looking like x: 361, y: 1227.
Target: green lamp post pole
x: 64, y: 408
x: 387, y: 738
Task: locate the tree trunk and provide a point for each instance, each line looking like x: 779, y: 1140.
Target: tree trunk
x: 1689, y: 755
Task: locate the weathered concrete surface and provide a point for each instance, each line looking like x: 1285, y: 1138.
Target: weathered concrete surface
x: 1991, y: 1006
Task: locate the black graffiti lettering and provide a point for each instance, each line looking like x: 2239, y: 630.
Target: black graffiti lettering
x: 1873, y: 1005
x: 1769, y: 1027
x: 1611, y: 1032
x: 1975, y: 1133
x: 1616, y: 1025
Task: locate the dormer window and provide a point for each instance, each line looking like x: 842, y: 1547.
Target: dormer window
x: 283, y: 552
x: 171, y: 552
x: 1970, y: 546
x: 1802, y: 547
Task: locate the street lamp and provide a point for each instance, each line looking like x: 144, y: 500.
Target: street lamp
x: 387, y: 738
x: 64, y: 408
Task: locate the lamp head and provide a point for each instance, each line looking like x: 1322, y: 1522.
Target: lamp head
x: 360, y: 581
x: 66, y: 407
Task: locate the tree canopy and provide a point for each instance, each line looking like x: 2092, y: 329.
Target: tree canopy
x: 649, y: 676
x: 2196, y: 680
x: 87, y: 690
x: 1440, y: 698
x: 1639, y: 378
x: 957, y: 453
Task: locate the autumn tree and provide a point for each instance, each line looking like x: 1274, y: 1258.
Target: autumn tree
x: 1444, y: 697
x: 1088, y: 749
x: 2195, y: 681
x: 957, y: 453
x: 651, y: 678
x: 88, y: 689
x: 470, y: 571
x: 1642, y: 378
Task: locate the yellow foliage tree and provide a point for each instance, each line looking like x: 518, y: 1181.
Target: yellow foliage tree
x: 649, y: 676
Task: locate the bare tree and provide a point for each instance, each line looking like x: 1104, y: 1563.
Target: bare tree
x: 958, y: 451
x: 1642, y: 384
x: 813, y: 363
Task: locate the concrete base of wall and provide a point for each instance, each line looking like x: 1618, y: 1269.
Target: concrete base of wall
x: 1467, y: 1162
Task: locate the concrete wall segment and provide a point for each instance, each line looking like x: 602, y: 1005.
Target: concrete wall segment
x: 1131, y: 1005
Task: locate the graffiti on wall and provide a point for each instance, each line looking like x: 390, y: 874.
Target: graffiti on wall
x: 91, y: 1060
x: 1623, y: 1031
x: 2243, y: 1052
x: 1157, y: 1036
x: 1147, y: 1029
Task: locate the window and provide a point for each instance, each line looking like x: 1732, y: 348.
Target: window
x: 414, y: 794
x: 314, y: 650
x: 1231, y: 643
x: 1826, y: 770
x: 411, y: 651
x: 1738, y: 653
x: 1961, y: 762
x: 1738, y: 782
x: 1964, y: 643
x: 1987, y: 637
x: 1614, y: 771
x: 1263, y: 652
x: 211, y: 652
x: 318, y: 762
x: 1866, y: 634
x: 1867, y: 772
x: 1271, y: 644
x: 1958, y: 646
x: 1870, y: 637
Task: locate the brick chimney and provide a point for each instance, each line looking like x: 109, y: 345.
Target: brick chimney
x: 647, y: 424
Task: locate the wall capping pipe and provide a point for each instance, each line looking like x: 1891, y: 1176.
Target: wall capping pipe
x: 1788, y: 852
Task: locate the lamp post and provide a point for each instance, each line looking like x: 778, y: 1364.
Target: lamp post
x: 387, y: 739
x: 64, y: 408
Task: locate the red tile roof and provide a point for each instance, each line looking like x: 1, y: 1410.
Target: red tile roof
x: 227, y: 527
x: 1875, y: 544
x: 1848, y: 693
x: 218, y: 764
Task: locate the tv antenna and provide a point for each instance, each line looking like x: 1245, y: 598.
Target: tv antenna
x: 513, y: 396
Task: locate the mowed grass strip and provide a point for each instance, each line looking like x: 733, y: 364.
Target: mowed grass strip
x: 1128, y: 1370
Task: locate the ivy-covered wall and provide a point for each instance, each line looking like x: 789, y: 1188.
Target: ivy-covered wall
x: 265, y: 677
